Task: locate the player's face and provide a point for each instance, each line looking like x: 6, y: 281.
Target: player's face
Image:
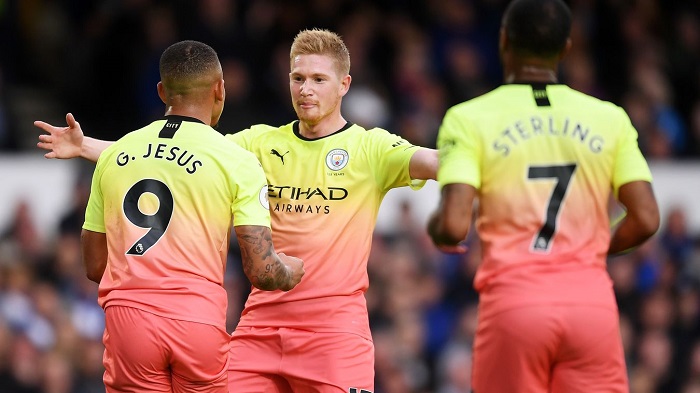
x: 316, y: 88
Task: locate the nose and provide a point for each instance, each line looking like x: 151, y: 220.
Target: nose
x: 304, y: 89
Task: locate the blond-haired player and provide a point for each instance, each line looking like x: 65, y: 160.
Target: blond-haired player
x: 156, y: 235
x: 326, y: 180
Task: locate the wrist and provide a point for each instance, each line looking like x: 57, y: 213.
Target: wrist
x: 287, y: 284
x: 84, y: 148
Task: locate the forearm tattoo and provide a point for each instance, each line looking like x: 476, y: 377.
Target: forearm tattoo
x: 261, y: 264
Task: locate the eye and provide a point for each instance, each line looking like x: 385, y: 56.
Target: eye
x: 319, y: 80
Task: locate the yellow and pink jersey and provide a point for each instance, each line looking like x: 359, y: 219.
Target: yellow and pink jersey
x: 545, y: 160
x: 166, y: 196
x: 324, y: 197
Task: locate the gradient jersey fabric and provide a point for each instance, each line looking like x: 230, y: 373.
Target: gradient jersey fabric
x: 324, y: 197
x: 166, y: 196
x: 545, y: 160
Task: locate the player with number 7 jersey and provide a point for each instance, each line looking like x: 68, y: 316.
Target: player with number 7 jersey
x: 543, y: 170
x: 544, y: 174
x: 544, y: 162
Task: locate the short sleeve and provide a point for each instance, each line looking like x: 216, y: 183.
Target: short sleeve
x: 250, y: 204
x: 459, y: 151
x: 630, y: 164
x: 391, y: 158
x: 240, y: 138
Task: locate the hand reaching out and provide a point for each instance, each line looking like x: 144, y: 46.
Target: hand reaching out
x: 61, y: 142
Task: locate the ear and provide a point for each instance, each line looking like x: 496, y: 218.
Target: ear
x: 161, y: 93
x: 345, y: 85
x: 220, y: 90
x: 502, y: 40
x: 567, y: 48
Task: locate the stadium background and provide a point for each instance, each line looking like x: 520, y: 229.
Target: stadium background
x: 411, y: 60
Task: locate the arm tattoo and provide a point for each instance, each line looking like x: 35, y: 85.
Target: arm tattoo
x: 261, y: 264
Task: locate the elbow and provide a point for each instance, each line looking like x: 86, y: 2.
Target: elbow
x: 94, y: 271
x: 450, y: 237
x: 94, y: 276
x: 646, y: 223
x: 649, y: 223
x: 443, y: 233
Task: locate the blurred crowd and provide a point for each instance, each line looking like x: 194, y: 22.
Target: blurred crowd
x: 411, y: 60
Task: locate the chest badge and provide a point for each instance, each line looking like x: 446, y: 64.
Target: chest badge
x: 337, y: 159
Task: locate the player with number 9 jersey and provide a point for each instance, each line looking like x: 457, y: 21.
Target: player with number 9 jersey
x: 157, y: 231
x: 165, y: 195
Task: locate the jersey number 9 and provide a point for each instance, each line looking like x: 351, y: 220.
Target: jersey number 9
x: 157, y: 222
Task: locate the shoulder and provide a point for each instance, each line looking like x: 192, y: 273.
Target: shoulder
x: 225, y: 143
x: 584, y: 102
x: 486, y: 102
x: 260, y: 129
x: 381, y: 143
x: 376, y: 135
x: 231, y: 155
x: 125, y: 141
x: 266, y: 128
x: 259, y: 132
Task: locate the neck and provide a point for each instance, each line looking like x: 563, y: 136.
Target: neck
x: 324, y: 127
x: 531, y: 73
x: 190, y: 111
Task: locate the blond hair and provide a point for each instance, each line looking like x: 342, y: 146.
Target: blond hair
x: 322, y: 42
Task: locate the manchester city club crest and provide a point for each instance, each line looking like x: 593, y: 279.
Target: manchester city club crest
x: 262, y: 197
x: 336, y: 159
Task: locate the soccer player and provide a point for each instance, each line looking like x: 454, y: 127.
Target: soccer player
x: 157, y: 229
x: 543, y: 161
x: 326, y: 179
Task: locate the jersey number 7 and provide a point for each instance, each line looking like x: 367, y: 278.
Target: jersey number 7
x: 563, y: 174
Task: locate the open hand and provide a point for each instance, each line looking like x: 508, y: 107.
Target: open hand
x: 61, y: 142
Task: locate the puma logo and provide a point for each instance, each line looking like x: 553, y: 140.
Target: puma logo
x: 281, y: 156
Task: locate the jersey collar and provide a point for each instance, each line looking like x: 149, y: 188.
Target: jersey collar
x: 295, y: 128
x: 534, y: 83
x: 182, y: 118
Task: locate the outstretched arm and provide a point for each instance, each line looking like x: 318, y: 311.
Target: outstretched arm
x: 449, y: 225
x: 266, y: 269
x: 424, y: 164
x: 69, y: 142
x: 641, y: 220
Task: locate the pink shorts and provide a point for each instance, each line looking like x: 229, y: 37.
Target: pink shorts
x: 148, y: 353
x: 552, y: 348
x: 283, y: 360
